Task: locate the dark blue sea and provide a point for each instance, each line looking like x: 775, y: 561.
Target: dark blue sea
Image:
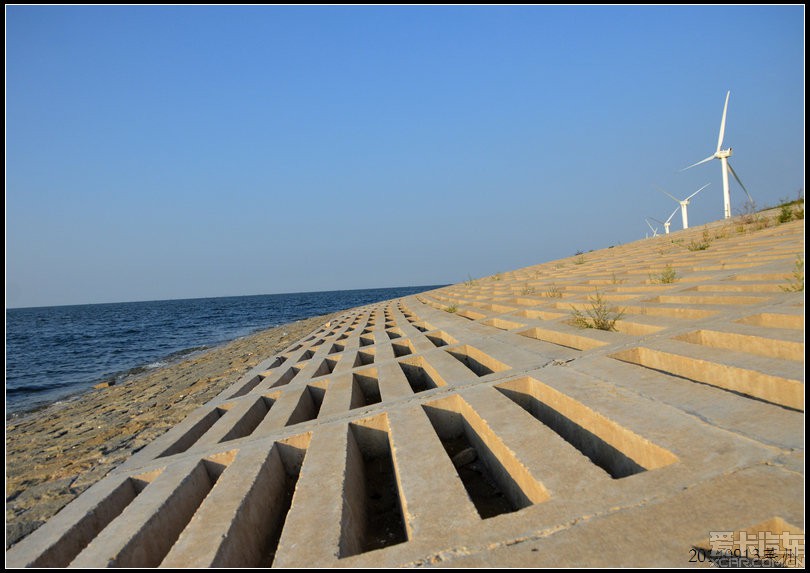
x: 56, y: 351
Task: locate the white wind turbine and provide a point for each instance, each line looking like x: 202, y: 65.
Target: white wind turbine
x: 666, y: 223
x: 723, y: 155
x: 653, y: 229
x: 683, y: 204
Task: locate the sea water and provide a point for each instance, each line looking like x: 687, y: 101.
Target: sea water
x: 57, y: 351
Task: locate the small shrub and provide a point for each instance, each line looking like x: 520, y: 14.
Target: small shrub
x: 600, y: 316
x: 580, y: 258
x: 527, y: 289
x: 554, y: 291
x: 616, y: 281
x: 667, y: 276
x: 496, y: 277
x: 796, y: 282
x: 451, y: 309
x: 701, y: 245
x: 785, y: 213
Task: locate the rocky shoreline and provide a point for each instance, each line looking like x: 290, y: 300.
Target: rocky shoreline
x: 55, y: 453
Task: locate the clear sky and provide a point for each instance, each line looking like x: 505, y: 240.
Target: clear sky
x: 177, y: 152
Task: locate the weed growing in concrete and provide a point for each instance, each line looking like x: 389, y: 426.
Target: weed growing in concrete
x: 470, y: 282
x: 451, y: 309
x: 600, y: 316
x: 785, y: 213
x: 790, y: 210
x: 616, y: 281
x: 554, y: 291
x: 580, y: 259
x: 701, y: 245
x: 667, y: 276
x: 527, y: 289
x: 796, y: 282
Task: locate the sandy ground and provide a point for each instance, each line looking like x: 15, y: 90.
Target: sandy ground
x: 54, y: 454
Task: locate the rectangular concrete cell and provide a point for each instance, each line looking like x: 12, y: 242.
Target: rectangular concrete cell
x: 364, y: 358
x: 251, y: 419
x: 775, y: 389
x: 495, y: 480
x: 502, y: 324
x: 327, y: 366
x: 615, y: 449
x: 560, y: 338
x: 470, y: 314
x: 336, y: 348
x: 440, y: 338
x: 247, y: 387
x: 481, y: 364
x: 539, y: 314
x: 309, y: 404
x: 287, y: 377
x: 403, y: 348
x: 372, y: 516
x: 61, y: 553
x: 188, y: 439
x: 272, y: 502
x: 774, y: 320
x: 366, y: 341
x: 394, y: 333
x: 764, y: 346
x: 155, y: 537
x: 422, y: 326
x: 365, y: 388
x: 420, y: 374
x: 685, y: 299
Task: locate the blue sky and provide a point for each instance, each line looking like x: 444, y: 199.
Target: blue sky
x: 171, y: 152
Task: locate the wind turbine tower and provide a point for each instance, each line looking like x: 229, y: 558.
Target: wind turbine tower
x: 666, y: 223
x: 653, y: 229
x: 683, y: 203
x: 723, y: 155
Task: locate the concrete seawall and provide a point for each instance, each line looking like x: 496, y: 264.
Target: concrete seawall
x: 476, y: 426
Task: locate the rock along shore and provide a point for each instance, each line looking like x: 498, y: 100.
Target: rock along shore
x: 55, y: 453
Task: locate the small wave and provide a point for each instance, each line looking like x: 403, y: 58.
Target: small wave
x: 35, y: 389
x: 185, y: 351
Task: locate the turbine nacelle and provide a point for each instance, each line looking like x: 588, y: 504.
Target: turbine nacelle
x: 723, y: 153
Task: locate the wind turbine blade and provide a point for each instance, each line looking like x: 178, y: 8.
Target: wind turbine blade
x: 709, y: 158
x: 737, y: 177
x: 668, y: 195
x: 678, y: 208
x: 698, y: 191
x: 723, y: 124
x: 653, y: 229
